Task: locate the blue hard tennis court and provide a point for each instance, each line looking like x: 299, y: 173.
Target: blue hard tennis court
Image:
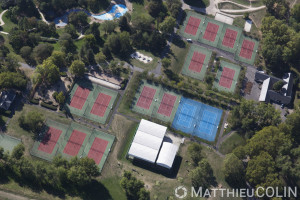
x: 197, y: 119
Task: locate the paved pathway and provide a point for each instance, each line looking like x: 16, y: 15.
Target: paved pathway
x: 1, y: 15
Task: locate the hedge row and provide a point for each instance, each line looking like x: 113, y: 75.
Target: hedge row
x: 52, y: 107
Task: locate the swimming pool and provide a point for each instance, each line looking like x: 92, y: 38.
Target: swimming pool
x: 116, y: 12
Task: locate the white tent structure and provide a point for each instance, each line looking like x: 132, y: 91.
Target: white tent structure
x: 167, y: 155
x: 147, y: 141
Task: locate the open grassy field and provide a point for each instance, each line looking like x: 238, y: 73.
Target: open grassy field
x: 240, y: 22
x: 8, y: 23
x: 179, y: 50
x: 257, y: 17
x: 233, y: 141
x: 230, y: 6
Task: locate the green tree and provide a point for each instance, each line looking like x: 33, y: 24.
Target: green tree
x: 77, y: 68
x: 78, y: 19
x: 133, y: 188
x: 194, y: 151
x: 202, y: 175
x: 67, y: 43
x: 167, y: 26
x: 234, y: 171
x: 271, y: 140
x: 100, y: 58
x: 47, y: 73
x: 293, y: 121
x: 278, y: 85
x: 9, y: 80
x: 25, y: 52
x: 60, y: 98
x: 261, y: 171
x: 42, y: 51
x: 18, y: 151
x: 58, y: 59
x: 296, y: 12
x: 32, y: 121
x: 108, y: 26
x: 166, y: 62
x: 124, y: 25
x: 251, y: 116
x: 174, y: 7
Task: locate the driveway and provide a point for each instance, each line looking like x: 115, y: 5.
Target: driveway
x: 255, y: 89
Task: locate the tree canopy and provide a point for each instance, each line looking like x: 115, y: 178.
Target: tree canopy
x: 77, y: 68
x: 251, y: 116
x: 47, y: 73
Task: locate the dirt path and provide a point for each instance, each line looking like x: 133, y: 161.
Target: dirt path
x: 11, y: 196
x: 42, y: 16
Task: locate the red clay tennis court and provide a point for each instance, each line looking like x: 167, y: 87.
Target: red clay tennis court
x: 79, y: 97
x: 49, y: 141
x: 197, y: 62
x: 227, y: 77
x: 192, y: 25
x: 247, y: 49
x: 146, y: 97
x: 101, y: 104
x: 167, y: 104
x: 211, y: 31
x: 97, y: 150
x: 229, y: 38
x: 75, y: 142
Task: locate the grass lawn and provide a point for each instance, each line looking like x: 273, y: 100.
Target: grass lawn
x: 179, y: 50
x: 15, y: 130
x: 147, y: 66
x: 198, y: 3
x: 114, y: 188
x: 230, y: 6
x: 8, y: 23
x: 233, y: 141
x: 258, y: 16
x: 240, y: 22
x: 13, y: 187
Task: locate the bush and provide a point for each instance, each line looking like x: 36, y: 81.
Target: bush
x: 52, y: 107
x: 34, y: 101
x: 54, y: 95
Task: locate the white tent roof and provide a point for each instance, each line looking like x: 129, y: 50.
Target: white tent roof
x: 147, y: 141
x: 264, y: 90
x: 287, y: 80
x: 167, y: 155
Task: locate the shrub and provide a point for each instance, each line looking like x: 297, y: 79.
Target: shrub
x: 34, y: 101
x: 52, y: 107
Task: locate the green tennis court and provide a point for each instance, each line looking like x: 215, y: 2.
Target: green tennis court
x: 155, y: 101
x: 210, y: 32
x: 230, y: 38
x: 227, y: 77
x: 192, y: 25
x: 196, y: 62
x: 247, y: 50
x: 8, y: 143
x: 72, y: 140
x: 91, y: 101
x: 48, y: 143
